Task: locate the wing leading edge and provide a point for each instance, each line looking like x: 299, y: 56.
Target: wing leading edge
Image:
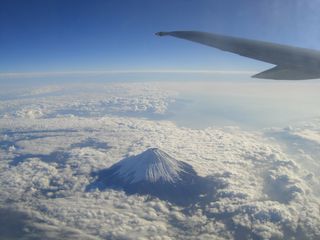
x: 292, y: 63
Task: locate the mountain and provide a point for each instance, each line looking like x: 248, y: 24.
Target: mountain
x: 155, y: 173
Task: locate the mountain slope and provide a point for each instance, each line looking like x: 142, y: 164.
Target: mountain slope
x: 155, y: 173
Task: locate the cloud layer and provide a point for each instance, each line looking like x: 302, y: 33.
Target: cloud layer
x: 47, y: 160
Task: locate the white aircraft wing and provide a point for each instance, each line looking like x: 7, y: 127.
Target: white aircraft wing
x: 292, y: 63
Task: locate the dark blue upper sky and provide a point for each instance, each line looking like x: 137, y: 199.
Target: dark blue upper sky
x: 72, y: 35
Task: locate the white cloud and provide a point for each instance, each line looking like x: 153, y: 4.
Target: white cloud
x: 264, y: 191
x: 80, y: 100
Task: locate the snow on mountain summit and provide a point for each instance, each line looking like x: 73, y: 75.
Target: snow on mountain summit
x: 152, y: 165
x: 155, y: 173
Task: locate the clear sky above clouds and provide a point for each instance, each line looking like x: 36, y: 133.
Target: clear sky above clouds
x: 77, y: 35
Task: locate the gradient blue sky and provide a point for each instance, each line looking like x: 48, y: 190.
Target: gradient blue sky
x: 77, y: 35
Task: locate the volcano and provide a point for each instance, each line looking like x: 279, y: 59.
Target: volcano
x: 155, y: 173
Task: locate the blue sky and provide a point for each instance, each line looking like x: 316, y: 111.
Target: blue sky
x: 76, y: 35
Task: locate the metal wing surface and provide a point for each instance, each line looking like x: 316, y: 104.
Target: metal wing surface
x: 292, y: 63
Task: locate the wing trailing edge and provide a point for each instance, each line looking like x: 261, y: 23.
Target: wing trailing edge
x: 284, y: 73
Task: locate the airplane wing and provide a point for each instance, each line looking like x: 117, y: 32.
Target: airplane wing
x: 292, y: 63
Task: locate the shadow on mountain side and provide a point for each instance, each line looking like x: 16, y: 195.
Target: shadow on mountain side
x: 157, y: 174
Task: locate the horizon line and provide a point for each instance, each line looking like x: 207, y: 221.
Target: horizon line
x: 107, y: 72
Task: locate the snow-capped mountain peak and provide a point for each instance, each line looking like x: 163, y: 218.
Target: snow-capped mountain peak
x: 155, y: 173
x: 151, y: 165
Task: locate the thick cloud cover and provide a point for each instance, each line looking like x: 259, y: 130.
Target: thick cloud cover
x: 86, y: 100
x: 268, y: 181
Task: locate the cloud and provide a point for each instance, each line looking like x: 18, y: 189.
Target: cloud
x: 24, y: 224
x: 301, y: 142
x: 80, y: 100
x: 266, y: 192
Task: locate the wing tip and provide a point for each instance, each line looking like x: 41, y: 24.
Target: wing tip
x: 160, y: 34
